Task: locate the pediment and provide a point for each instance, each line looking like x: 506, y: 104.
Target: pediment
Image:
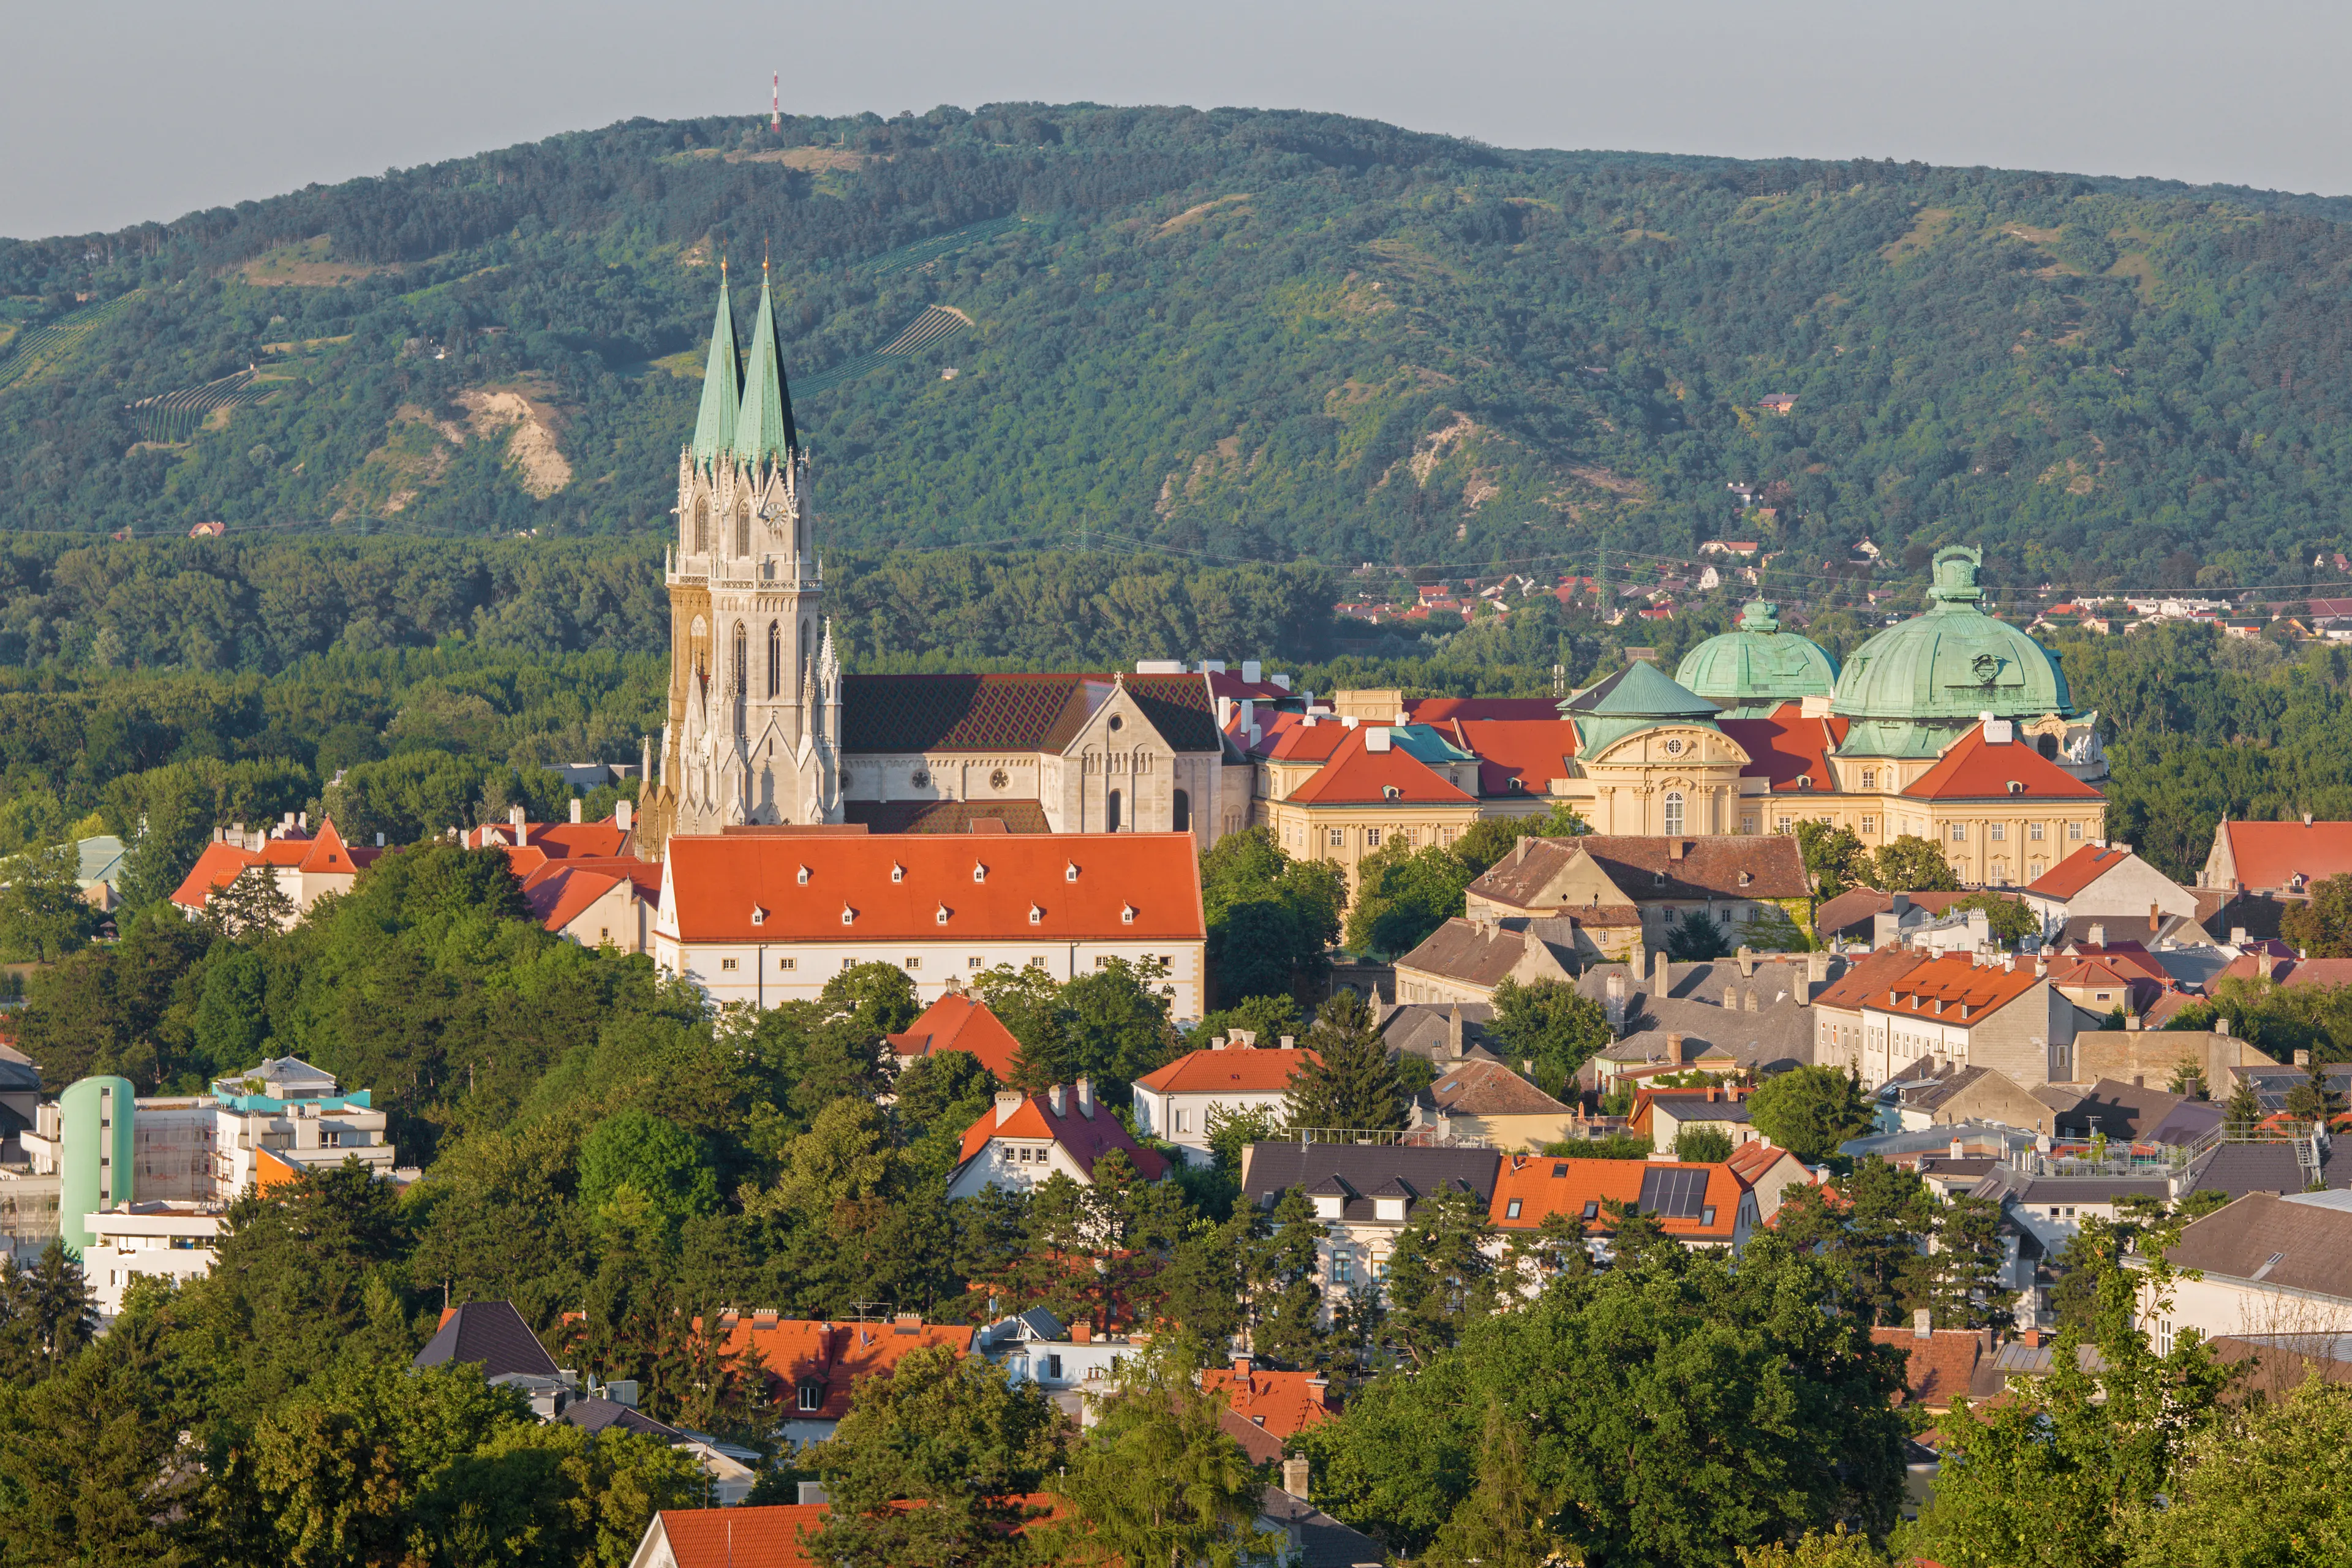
x: 1671, y: 745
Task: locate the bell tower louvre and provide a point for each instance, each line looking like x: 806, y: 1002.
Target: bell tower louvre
x: 753, y: 725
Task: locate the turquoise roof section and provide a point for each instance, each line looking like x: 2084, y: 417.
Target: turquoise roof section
x: 764, y: 427
x: 1914, y: 687
x: 355, y: 1100
x: 1639, y: 697
x: 1424, y: 744
x: 1756, y: 667
x: 722, y: 386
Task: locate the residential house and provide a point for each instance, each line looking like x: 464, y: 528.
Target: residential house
x: 1174, y: 1103
x: 609, y: 839
x: 1738, y: 1016
x: 1064, y: 1360
x: 2108, y: 882
x: 1282, y: 1405
x: 1026, y: 1139
x: 1699, y: 1205
x: 769, y: 916
x: 306, y: 868
x: 1730, y: 880
x: 1465, y: 961
x: 1377, y: 786
x: 1440, y: 1032
x: 1363, y: 1195
x: 1939, y: 1365
x: 813, y: 1366
x: 2135, y: 1114
x: 2005, y: 1015
x: 2268, y: 1265
x: 1837, y: 1023
x: 1486, y: 1101
x: 958, y: 1021
x: 491, y: 1335
x: 1950, y: 1095
x: 1867, y: 917
x: 2281, y: 860
x: 1768, y: 1172
x: 1664, y: 1114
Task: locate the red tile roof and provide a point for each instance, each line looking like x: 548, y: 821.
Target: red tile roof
x: 1296, y: 739
x: 770, y: 1537
x: 1084, y: 1138
x: 1357, y: 776
x: 1283, y: 1402
x: 2078, y: 871
x: 1939, y: 1366
x: 556, y: 840
x: 1855, y: 905
x: 1786, y: 746
x: 2271, y: 855
x: 897, y: 888
x: 1480, y: 709
x: 1533, y: 751
x: 1239, y: 1069
x: 797, y: 1351
x: 1870, y: 978
x: 220, y: 864
x: 1543, y: 1186
x: 1967, y: 992
x: 960, y: 1022
x: 1751, y: 1160
x: 1974, y: 768
x: 559, y: 891
x: 2288, y: 971
x: 945, y: 816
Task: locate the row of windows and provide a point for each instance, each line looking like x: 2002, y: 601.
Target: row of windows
x: 913, y: 963
x: 1998, y: 832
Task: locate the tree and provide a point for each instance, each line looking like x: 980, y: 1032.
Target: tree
x: 1835, y: 859
x: 1703, y: 1145
x: 1968, y: 1261
x: 1285, y: 1299
x: 2245, y: 1105
x: 1552, y: 1025
x: 2270, y: 1485
x: 1816, y: 1548
x: 1810, y: 1111
x: 43, y: 916
x: 2322, y: 927
x: 2314, y: 1098
x: 46, y: 1315
x: 1485, y: 841
x: 1503, y: 1522
x: 1910, y: 864
x: 2187, y: 1079
x: 176, y: 822
x: 1404, y: 894
x: 1353, y: 1083
x: 1442, y: 1273
x: 949, y: 1434
x: 2009, y: 919
x: 1696, y: 939
x: 1155, y: 1479
x: 253, y: 905
x: 1270, y: 918
x: 232, y: 1012
x: 637, y: 1164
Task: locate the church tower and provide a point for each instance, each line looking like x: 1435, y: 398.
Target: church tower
x: 754, y: 724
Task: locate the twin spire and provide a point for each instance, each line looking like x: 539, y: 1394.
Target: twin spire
x: 745, y: 413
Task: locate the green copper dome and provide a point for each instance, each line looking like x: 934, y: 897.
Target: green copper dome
x: 1638, y: 697
x: 1913, y: 686
x: 1756, y: 667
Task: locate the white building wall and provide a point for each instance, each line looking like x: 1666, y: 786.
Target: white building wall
x: 1182, y: 1118
x: 766, y: 974
x: 125, y: 1246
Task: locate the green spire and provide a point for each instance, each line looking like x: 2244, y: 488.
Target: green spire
x: 765, y: 428
x: 722, y: 390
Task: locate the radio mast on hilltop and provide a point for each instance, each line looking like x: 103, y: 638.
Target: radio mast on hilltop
x: 775, y: 101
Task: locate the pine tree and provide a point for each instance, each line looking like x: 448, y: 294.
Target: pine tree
x: 2245, y: 1105
x: 1288, y: 1299
x: 1354, y: 1084
x: 1503, y: 1523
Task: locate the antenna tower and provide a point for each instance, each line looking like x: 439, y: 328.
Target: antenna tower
x: 775, y: 101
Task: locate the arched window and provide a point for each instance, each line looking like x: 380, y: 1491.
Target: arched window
x: 743, y: 526
x: 701, y: 525
x: 1111, y: 815
x: 1674, y: 814
x: 2048, y: 746
x: 808, y: 642
x: 1183, y: 820
x: 775, y: 658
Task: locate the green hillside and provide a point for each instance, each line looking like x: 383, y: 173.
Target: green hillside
x: 1246, y: 335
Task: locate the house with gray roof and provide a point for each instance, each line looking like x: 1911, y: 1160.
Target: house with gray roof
x: 2267, y: 1265
x: 1364, y: 1195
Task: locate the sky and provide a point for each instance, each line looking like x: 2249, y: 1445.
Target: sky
x: 146, y: 110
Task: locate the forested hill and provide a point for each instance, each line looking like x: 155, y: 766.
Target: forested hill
x: 1251, y: 335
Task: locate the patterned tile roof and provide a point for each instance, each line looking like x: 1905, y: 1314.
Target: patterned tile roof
x: 1013, y: 712
x: 944, y: 815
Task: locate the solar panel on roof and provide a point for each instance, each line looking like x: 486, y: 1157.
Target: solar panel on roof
x: 1674, y: 1194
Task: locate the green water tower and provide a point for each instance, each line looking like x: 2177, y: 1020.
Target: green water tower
x: 94, y: 1117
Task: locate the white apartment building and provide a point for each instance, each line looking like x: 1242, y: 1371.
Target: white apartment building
x: 165, y: 1240
x: 1174, y: 1103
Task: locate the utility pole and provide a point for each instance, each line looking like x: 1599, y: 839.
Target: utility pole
x: 775, y: 101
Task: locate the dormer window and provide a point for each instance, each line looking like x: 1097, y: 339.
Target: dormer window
x: 804, y: 876
x: 1390, y: 792
x: 1804, y: 781
x: 1746, y: 878
x: 1036, y: 915
x: 898, y: 873
x: 1070, y: 872
x: 848, y: 915
x: 979, y: 872
x: 1127, y: 914
x: 812, y: 1396
x: 943, y: 916
x: 759, y: 916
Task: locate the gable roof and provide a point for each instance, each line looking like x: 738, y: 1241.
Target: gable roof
x: 1473, y: 1087
x: 713, y: 885
x: 1086, y: 1139
x: 1938, y: 1366
x: 1647, y: 869
x: 1303, y: 738
x: 801, y: 1350
x: 2078, y: 871
x: 2275, y: 1241
x: 1014, y: 712
x: 739, y: 1537
x: 1361, y: 1169
x: 1751, y: 1160
x: 1854, y: 908
x: 1282, y: 1402
x: 2268, y: 855
x: 1973, y: 768
x: 1472, y: 952
x: 1533, y: 751
x: 945, y: 816
x: 1870, y: 978
x: 559, y: 891
x: 1955, y: 989
x: 1358, y: 775
x: 491, y: 1334
x: 1237, y: 1070
x: 959, y: 1021
x: 2136, y: 1111
x: 221, y: 864
x: 1677, y: 1193
x: 1785, y: 745
x: 603, y: 840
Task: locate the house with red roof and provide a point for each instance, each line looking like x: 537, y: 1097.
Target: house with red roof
x: 614, y: 837
x: 2281, y: 860
x: 958, y: 1021
x: 1999, y: 810
x: 306, y: 868
x: 1970, y: 1010
x: 815, y: 1367
x: 1377, y: 786
x: 595, y: 900
x: 1173, y: 1103
x: 766, y: 915
x: 1279, y: 1403
x: 1024, y: 1140
x: 1698, y: 1204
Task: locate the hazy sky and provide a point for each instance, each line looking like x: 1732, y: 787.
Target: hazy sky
x: 142, y: 109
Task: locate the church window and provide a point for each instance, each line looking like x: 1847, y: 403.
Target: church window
x: 1182, y: 821
x: 743, y: 526
x: 920, y: 778
x: 701, y: 526
x: 1111, y: 813
x: 998, y: 779
x: 1674, y: 813
x: 776, y: 659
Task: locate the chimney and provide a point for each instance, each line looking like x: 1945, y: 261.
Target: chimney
x: 2133, y: 1022
x: 1519, y: 848
x: 1059, y: 1099
x: 1673, y: 849
x: 624, y: 813
x: 1008, y: 1102
x: 2303, y: 1059
x: 1661, y: 978
x: 1376, y: 738
x: 1087, y: 1098
x: 2098, y: 935
x: 1959, y: 1149
x: 1675, y: 1049
x: 1453, y: 1032
x: 514, y: 815
x: 1902, y: 905
x: 1082, y: 1333
x: 2237, y: 936
x: 379, y: 840
x: 1290, y: 1041
x: 1747, y: 962
x: 812, y: 1494
x: 1250, y: 668
x: 2221, y: 1027
x: 2155, y: 919
x: 576, y: 810
x: 1241, y: 1364
x: 1293, y: 1477
x: 1216, y: 1042
x: 2040, y: 965
x: 1921, y: 1322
